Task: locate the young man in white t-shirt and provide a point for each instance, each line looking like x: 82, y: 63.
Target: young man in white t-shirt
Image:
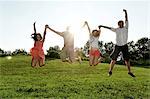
x: 121, y: 44
x: 68, y: 49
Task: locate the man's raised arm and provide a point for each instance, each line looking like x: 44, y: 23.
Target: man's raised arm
x: 126, y: 15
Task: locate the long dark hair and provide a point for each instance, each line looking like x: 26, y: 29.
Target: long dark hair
x: 34, y: 36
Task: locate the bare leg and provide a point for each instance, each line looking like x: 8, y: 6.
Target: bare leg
x: 91, y: 60
x: 129, y: 69
x: 34, y: 62
x: 63, y: 56
x: 112, y: 63
x: 38, y: 62
x: 128, y: 65
x: 96, y: 61
x: 100, y: 59
x: 42, y: 62
x: 71, y: 59
x: 71, y: 55
x: 79, y: 58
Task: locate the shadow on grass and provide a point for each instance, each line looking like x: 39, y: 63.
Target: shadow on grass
x: 31, y: 90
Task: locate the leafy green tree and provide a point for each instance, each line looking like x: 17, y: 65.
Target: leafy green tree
x: 53, y: 52
x: 143, y: 50
x: 2, y: 52
x: 86, y: 49
x: 19, y: 52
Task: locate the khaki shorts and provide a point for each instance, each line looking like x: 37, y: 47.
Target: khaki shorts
x: 67, y: 53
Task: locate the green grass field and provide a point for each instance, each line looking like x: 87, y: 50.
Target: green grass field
x: 58, y: 80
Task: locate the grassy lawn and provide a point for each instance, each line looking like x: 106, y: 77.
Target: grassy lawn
x: 58, y: 80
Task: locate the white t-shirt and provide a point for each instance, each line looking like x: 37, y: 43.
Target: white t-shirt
x: 121, y: 34
x: 68, y: 39
x: 94, y: 41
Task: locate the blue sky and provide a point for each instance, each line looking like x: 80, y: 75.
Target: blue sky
x: 17, y: 17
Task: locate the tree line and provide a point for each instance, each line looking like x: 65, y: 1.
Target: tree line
x: 139, y: 52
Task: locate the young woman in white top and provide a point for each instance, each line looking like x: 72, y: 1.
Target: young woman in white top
x: 94, y: 53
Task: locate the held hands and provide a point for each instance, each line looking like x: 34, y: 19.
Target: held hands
x: 85, y: 23
x: 99, y: 26
x: 46, y: 26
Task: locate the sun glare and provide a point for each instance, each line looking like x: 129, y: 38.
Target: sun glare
x: 80, y: 35
x: 9, y: 57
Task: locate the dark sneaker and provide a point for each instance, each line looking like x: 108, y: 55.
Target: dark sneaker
x: 96, y: 64
x: 42, y: 65
x: 109, y: 73
x: 131, y: 74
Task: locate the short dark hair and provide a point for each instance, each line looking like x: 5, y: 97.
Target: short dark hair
x: 94, y: 31
x: 120, y: 22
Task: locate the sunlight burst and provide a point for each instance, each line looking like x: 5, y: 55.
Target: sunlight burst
x: 9, y: 57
